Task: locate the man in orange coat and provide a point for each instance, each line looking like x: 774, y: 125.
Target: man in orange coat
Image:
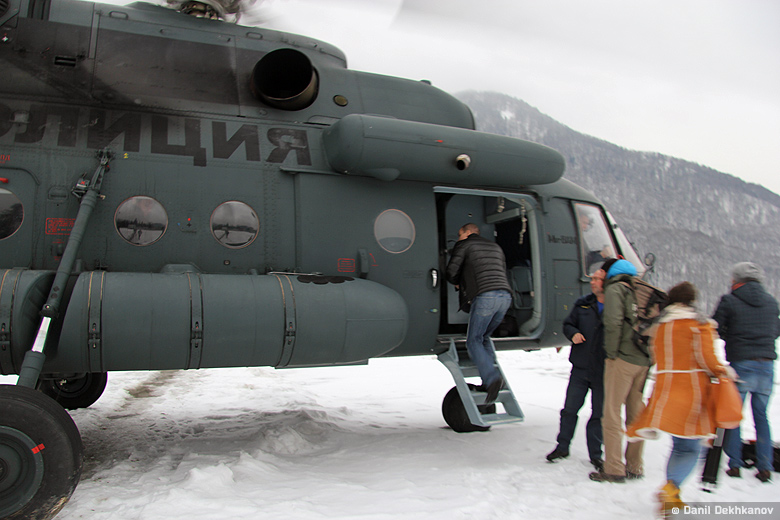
x: 683, y: 344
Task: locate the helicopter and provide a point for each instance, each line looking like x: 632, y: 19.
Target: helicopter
x: 179, y: 193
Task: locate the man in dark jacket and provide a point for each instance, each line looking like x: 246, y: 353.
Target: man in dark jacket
x: 478, y: 270
x: 584, y: 329
x: 749, y: 324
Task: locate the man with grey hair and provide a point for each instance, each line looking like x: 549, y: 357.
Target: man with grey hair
x: 749, y: 324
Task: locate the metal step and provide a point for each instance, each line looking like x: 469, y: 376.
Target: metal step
x: 461, y: 367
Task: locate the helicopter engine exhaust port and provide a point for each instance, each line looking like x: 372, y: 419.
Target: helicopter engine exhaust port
x: 285, y: 79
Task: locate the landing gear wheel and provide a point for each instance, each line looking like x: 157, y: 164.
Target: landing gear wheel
x: 75, y: 392
x: 40, y: 455
x: 455, y: 414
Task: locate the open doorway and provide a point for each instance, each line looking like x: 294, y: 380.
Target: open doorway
x: 510, y: 220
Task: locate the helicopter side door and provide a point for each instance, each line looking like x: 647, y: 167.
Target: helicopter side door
x: 382, y: 231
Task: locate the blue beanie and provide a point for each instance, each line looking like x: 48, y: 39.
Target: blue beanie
x: 621, y: 267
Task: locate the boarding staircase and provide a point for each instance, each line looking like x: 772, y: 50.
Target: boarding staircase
x: 478, y: 416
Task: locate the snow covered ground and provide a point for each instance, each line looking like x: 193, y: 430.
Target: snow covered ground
x: 365, y: 442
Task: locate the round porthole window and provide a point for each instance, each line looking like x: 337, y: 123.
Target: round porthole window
x: 234, y: 224
x: 141, y: 220
x: 394, y: 231
x: 11, y: 213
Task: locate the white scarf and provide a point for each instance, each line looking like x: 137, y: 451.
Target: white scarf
x: 680, y: 311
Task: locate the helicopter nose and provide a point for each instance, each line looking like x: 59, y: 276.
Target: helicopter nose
x: 285, y: 79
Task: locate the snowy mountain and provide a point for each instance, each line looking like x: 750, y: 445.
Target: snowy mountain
x: 697, y: 221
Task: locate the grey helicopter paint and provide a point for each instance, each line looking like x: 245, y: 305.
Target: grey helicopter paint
x: 178, y: 192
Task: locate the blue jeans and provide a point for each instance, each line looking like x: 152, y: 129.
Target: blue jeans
x: 487, y: 311
x: 757, y: 378
x: 684, y: 456
x: 579, y: 383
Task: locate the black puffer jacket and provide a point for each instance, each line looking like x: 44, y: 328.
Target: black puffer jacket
x: 748, y: 322
x: 585, y: 319
x: 477, y: 265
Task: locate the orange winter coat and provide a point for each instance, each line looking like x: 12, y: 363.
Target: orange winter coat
x: 683, y: 345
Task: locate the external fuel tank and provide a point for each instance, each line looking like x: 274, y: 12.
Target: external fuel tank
x: 189, y: 320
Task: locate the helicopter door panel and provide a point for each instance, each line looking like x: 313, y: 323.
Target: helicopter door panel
x: 17, y: 193
x: 384, y: 232
x: 462, y: 209
x: 568, y: 282
x: 567, y: 287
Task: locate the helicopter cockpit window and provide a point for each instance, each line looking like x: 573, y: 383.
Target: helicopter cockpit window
x: 626, y: 247
x: 596, y: 244
x: 141, y: 220
x: 234, y: 224
x: 394, y: 231
x: 11, y: 213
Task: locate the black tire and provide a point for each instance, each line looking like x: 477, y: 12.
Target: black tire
x: 455, y: 414
x: 40, y: 455
x: 75, y: 392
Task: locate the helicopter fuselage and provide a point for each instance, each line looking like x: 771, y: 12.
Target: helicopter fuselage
x: 184, y: 193
x: 263, y: 204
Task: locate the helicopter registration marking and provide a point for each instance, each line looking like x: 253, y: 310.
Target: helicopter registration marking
x: 130, y: 132
x: 59, y: 226
x: 561, y: 239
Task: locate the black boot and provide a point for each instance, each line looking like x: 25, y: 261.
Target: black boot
x: 556, y: 454
x: 493, y: 389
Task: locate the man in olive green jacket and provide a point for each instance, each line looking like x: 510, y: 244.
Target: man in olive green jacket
x: 625, y: 373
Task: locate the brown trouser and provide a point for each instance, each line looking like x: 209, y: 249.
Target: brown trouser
x: 623, y: 385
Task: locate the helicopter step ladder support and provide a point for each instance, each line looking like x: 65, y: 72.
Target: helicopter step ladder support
x: 462, y: 367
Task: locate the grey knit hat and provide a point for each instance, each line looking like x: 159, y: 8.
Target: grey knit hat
x: 747, y: 271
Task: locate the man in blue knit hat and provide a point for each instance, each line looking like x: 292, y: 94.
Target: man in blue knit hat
x: 625, y: 373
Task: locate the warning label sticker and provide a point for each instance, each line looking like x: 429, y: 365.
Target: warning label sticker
x: 59, y: 226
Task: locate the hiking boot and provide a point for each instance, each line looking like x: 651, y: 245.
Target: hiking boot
x: 733, y: 472
x: 598, y: 464
x: 556, y: 454
x: 764, y: 475
x: 669, y: 500
x: 634, y: 476
x: 600, y: 476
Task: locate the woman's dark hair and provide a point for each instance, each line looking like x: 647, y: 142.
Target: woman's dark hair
x: 684, y: 293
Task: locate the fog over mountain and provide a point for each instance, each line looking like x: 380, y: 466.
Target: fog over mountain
x: 697, y: 221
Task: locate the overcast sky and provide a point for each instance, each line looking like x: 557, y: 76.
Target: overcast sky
x: 695, y: 79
